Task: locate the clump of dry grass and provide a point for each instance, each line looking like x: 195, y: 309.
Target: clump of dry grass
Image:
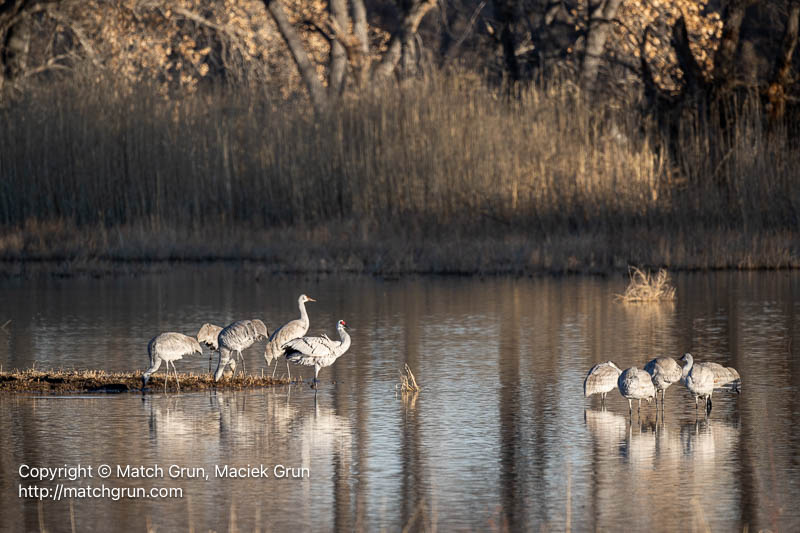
x: 407, y: 381
x: 61, y: 381
x: 647, y: 287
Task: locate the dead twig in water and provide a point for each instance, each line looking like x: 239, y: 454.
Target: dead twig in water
x: 407, y: 381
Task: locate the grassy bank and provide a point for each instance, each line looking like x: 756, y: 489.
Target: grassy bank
x: 64, y: 381
x: 446, y: 177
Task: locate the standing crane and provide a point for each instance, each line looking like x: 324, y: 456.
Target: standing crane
x: 725, y: 377
x: 635, y: 384
x: 287, y: 332
x: 601, y: 379
x: 235, y: 338
x: 664, y: 371
x: 702, y: 378
x: 318, y: 352
x: 208, y: 335
x: 169, y: 347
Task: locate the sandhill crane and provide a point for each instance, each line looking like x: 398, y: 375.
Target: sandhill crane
x: 725, y: 377
x: 698, y: 377
x: 635, y: 384
x: 287, y: 332
x: 169, y: 347
x: 318, y: 352
x: 664, y: 371
x: 700, y: 382
x: 601, y: 379
x: 208, y: 335
x: 235, y: 338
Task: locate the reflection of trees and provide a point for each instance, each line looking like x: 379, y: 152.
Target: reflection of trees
x: 509, y: 410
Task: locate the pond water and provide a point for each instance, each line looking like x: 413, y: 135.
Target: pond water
x: 499, y: 438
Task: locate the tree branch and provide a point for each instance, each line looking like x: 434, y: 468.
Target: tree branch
x: 408, y: 26
x: 307, y: 71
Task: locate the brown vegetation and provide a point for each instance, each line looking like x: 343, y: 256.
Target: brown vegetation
x: 139, y: 131
x: 408, y: 383
x: 443, y: 176
x: 644, y: 286
x: 66, y: 381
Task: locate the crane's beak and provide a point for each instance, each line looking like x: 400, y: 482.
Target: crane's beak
x: 310, y: 299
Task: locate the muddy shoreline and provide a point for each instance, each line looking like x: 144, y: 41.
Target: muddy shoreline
x: 83, y: 381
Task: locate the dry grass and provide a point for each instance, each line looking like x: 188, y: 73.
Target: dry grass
x: 64, y: 381
x: 443, y: 177
x: 407, y: 381
x: 648, y: 287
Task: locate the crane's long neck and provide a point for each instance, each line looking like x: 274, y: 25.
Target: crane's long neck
x: 345, y: 344
x: 303, y: 313
x: 687, y: 367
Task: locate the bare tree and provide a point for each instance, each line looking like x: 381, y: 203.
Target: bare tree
x: 348, y: 47
x: 600, y: 17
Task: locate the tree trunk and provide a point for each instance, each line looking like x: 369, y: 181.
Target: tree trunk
x: 307, y: 71
x: 599, y: 28
x: 408, y: 27
x: 781, y: 78
x: 338, y: 60
x: 359, y: 52
x: 726, y: 52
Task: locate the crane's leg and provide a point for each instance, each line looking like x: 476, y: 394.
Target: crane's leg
x: 209, y: 361
x: 316, y: 373
x: 177, y: 379
x: 166, y: 378
x: 639, y: 410
x: 287, y: 369
x: 276, y: 368
x: 708, y: 405
x: 630, y: 408
x: 239, y: 355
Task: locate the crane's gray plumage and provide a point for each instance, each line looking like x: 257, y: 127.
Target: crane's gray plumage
x: 702, y: 378
x: 635, y: 384
x: 235, y: 338
x: 318, y: 352
x: 208, y: 335
x: 287, y: 332
x: 601, y: 379
x: 725, y: 377
x: 664, y: 371
x: 169, y: 347
x: 700, y: 382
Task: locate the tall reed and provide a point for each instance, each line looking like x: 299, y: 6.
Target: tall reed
x: 446, y: 158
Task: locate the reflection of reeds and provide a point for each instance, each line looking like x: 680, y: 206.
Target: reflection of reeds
x: 407, y: 381
x: 647, y: 287
x: 58, y: 381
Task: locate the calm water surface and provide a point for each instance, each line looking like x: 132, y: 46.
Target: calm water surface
x: 500, y: 437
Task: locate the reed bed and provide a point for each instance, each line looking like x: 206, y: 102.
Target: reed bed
x: 67, y: 381
x: 445, y: 176
x: 645, y: 286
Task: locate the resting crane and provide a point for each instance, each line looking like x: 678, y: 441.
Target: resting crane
x: 635, y: 384
x: 601, y: 379
x: 664, y: 371
x: 702, y: 378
